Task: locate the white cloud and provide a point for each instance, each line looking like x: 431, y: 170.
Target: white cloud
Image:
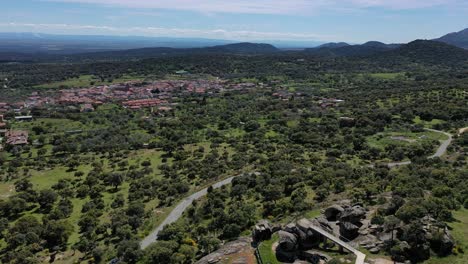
x: 216, y: 6
x: 403, y: 4
x: 241, y: 35
x: 269, y: 6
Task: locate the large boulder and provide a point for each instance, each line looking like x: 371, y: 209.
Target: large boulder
x: 353, y: 214
x: 323, y: 222
x: 420, y: 252
x: 374, y: 250
x: 287, y: 241
x: 313, y: 238
x: 446, y: 245
x: 400, y: 251
x: 304, y: 224
x: 313, y: 256
x: 441, y: 242
x: 387, y: 237
x: 262, y: 231
x: 349, y: 230
x: 332, y: 212
x: 293, y: 229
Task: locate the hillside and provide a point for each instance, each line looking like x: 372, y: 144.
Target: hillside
x: 346, y: 50
x: 245, y: 47
x: 427, y: 52
x: 143, y: 53
x: 334, y: 45
x: 459, y: 39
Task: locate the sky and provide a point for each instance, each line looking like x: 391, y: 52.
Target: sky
x: 354, y: 21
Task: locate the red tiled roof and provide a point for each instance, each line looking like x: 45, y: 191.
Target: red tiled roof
x: 17, y: 137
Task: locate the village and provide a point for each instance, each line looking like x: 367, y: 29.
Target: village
x: 158, y: 96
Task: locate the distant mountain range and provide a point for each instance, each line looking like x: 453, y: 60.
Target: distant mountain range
x: 50, y: 44
x: 236, y: 48
x: 72, y: 44
x: 459, y: 39
x: 345, y: 49
x: 437, y: 51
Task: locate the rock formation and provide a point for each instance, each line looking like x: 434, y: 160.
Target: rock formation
x: 262, y: 231
x: 353, y: 223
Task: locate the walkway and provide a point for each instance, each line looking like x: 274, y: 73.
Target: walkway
x: 360, y: 257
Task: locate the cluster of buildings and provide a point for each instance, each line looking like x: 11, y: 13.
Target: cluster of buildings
x: 134, y: 95
x: 12, y: 137
x: 243, y: 86
x: 287, y: 95
x: 16, y: 137
x: 2, y: 122
x: 4, y: 107
x: 143, y: 103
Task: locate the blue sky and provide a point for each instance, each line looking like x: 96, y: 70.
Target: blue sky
x: 244, y: 20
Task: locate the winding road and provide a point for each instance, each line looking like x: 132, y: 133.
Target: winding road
x: 177, y: 212
x: 439, y: 153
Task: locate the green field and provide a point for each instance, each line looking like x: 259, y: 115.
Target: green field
x: 387, y: 75
x: 417, y: 120
x: 266, y: 252
x: 50, y: 125
x: 408, y: 138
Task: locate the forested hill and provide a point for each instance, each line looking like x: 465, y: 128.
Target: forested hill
x: 238, y: 48
x: 334, y: 45
x: 419, y: 51
x: 143, y: 53
x: 459, y: 39
x: 426, y: 52
x: 346, y: 50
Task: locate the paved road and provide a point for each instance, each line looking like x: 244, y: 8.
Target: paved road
x: 178, y: 211
x: 360, y: 257
x: 443, y: 147
x: 439, y: 153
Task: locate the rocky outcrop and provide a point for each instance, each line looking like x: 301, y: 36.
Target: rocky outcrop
x: 353, y: 214
x: 287, y: 241
x: 262, y: 231
x: 354, y: 223
x: 332, y: 212
x: 349, y: 230
x: 238, y: 251
x: 313, y: 256
x: 446, y: 244
x: 438, y: 235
